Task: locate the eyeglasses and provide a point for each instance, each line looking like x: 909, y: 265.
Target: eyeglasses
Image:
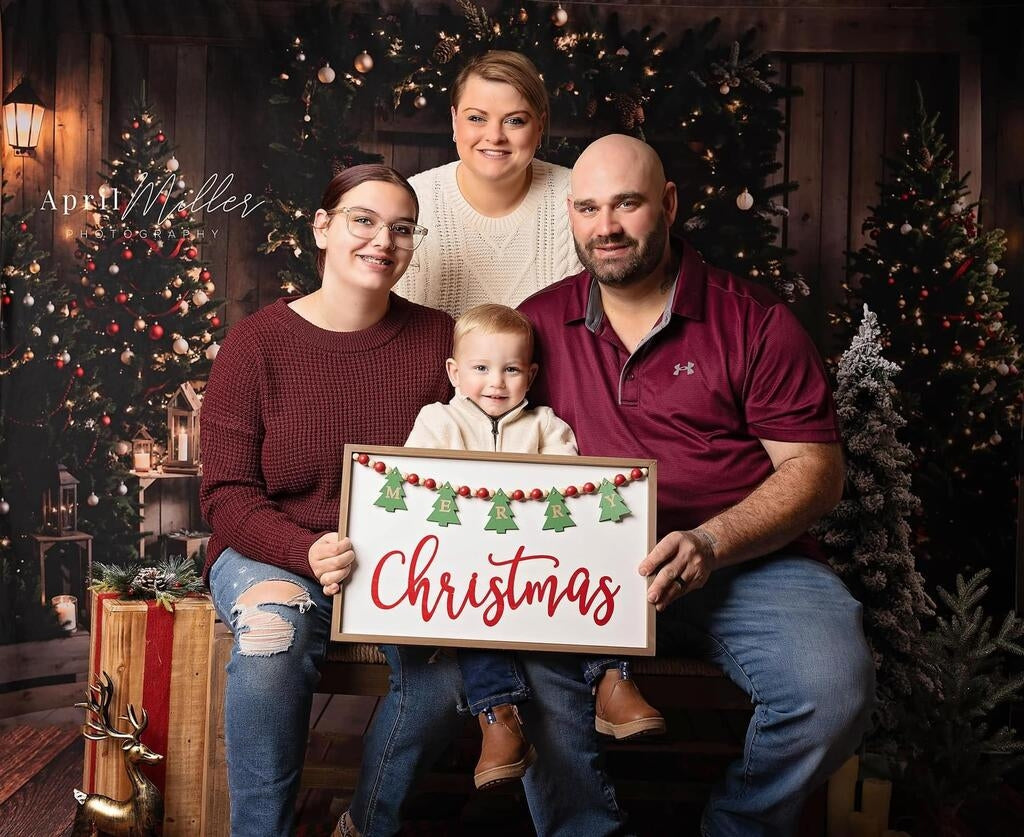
x: 363, y: 223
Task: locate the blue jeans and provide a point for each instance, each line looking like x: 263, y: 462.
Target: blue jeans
x: 492, y: 678
x: 272, y: 675
x: 784, y: 629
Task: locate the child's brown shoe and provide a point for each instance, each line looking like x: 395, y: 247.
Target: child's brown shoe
x: 621, y: 710
x: 505, y: 754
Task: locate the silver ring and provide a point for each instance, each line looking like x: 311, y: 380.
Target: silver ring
x: 679, y: 582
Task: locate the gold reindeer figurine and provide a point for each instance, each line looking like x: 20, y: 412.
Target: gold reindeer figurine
x: 142, y: 814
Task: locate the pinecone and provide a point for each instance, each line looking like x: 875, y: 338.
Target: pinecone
x: 150, y: 579
x: 445, y: 51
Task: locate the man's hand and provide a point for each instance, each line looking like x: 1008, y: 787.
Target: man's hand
x: 331, y: 561
x: 683, y: 562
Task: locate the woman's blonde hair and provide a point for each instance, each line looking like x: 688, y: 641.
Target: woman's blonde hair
x: 513, y: 69
x: 493, y: 319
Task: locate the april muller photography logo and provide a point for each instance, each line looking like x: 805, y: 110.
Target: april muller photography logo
x: 154, y: 199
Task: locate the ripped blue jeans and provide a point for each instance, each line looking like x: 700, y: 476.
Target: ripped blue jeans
x: 272, y: 674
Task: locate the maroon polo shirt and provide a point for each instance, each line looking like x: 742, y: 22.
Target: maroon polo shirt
x: 727, y: 365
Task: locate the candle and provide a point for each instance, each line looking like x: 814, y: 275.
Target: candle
x: 875, y: 795
x: 841, y: 789
x: 67, y: 608
x: 862, y: 825
x: 182, y: 445
x: 141, y: 462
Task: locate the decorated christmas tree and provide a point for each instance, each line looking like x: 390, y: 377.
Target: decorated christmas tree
x: 445, y: 510
x: 711, y: 107
x: 392, y: 494
x: 932, y: 275
x: 500, y: 517
x: 556, y: 515
x: 613, y: 507
x: 867, y: 535
x: 143, y: 286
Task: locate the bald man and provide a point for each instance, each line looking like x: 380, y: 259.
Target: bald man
x: 651, y: 352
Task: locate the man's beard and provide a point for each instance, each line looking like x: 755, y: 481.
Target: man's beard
x: 641, y: 263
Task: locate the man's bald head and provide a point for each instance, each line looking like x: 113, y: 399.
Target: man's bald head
x: 621, y: 208
x: 615, y: 156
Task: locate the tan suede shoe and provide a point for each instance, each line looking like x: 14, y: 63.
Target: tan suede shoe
x: 621, y: 710
x: 505, y: 754
x: 345, y: 827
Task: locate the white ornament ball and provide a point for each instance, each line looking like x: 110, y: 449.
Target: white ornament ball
x: 1002, y: 369
x: 209, y: 287
x: 49, y: 308
x: 121, y: 447
x: 211, y: 351
x: 28, y: 300
x: 200, y: 298
x: 995, y: 439
x: 560, y: 17
x: 744, y: 200
x: 92, y: 499
x: 55, y: 339
x: 166, y: 224
x: 181, y: 183
x: 957, y: 207
x: 363, y: 62
x: 127, y: 356
x: 300, y: 57
x: 106, y: 190
x: 35, y: 331
x: 724, y: 89
x: 122, y: 489
x: 420, y: 102
x: 991, y: 268
x: 906, y: 228
x: 307, y: 118
x: 326, y: 74
x: 183, y: 308
x: 4, y: 506
x: 172, y: 164
x: 180, y: 346
x: 66, y: 357
x: 113, y: 270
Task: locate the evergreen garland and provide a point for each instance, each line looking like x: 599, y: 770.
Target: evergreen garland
x: 165, y: 582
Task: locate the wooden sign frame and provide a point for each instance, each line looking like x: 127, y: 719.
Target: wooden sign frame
x: 560, y: 596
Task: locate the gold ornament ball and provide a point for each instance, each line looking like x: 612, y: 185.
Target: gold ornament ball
x: 33, y: 267
x: 126, y: 357
x: 744, y: 200
x: 724, y: 89
x: 560, y: 17
x: 168, y: 293
x: 420, y: 102
x: 177, y: 281
x: 363, y: 62
x: 139, y: 324
x: 522, y: 15
x: 326, y: 74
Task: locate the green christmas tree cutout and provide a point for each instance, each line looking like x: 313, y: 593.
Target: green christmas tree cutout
x: 445, y: 511
x: 499, y: 518
x: 392, y: 495
x: 613, y: 507
x: 556, y: 515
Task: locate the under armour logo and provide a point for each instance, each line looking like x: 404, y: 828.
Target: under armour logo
x: 688, y: 369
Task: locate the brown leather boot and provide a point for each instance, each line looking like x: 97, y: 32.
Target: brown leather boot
x: 621, y: 710
x: 505, y: 753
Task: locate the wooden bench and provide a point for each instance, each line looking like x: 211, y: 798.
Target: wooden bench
x: 672, y: 684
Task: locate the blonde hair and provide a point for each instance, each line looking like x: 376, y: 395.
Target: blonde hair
x: 513, y: 69
x: 493, y: 319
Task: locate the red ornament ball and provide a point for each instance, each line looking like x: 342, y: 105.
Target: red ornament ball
x: 6, y: 299
x: 156, y: 331
x: 183, y: 213
x: 429, y: 484
x: 958, y: 349
x: 945, y: 324
x: 363, y: 459
x: 588, y: 488
x: 923, y: 294
x: 571, y: 491
x: 619, y: 479
x: 215, y: 322
x: 483, y: 493
x: 135, y: 123
x: 59, y: 363
x: 191, y: 252
x: 413, y: 479
x: 379, y: 467
x: 160, y: 137
x: 463, y: 490
x: 981, y: 343
x: 23, y: 226
x: 518, y: 494
x: 536, y: 494
x: 161, y: 198
x: 636, y: 474
x: 204, y: 275
x: 905, y: 196
x: 113, y: 328
x: 873, y: 234
x: 90, y: 265
x: 105, y: 420
x: 121, y: 298
x: 79, y: 372
x: 127, y: 254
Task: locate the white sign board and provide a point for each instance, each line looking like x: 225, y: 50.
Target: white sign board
x: 546, y: 560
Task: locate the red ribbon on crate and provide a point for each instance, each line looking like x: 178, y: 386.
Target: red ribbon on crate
x: 156, y: 684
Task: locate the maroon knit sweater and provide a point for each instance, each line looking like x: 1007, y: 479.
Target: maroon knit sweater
x: 283, y: 399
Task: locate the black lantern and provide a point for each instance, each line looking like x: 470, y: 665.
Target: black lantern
x: 60, y: 504
x: 23, y: 118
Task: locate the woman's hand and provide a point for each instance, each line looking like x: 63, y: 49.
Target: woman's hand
x: 331, y: 561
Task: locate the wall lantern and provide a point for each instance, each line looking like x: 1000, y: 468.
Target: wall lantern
x: 23, y: 118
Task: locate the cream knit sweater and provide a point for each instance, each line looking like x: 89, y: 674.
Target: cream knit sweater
x: 468, y: 259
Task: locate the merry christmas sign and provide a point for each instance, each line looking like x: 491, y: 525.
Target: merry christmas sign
x: 501, y: 550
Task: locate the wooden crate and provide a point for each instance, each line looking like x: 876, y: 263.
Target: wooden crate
x: 120, y: 647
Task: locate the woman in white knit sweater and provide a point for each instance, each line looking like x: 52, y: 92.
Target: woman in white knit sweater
x: 499, y: 228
